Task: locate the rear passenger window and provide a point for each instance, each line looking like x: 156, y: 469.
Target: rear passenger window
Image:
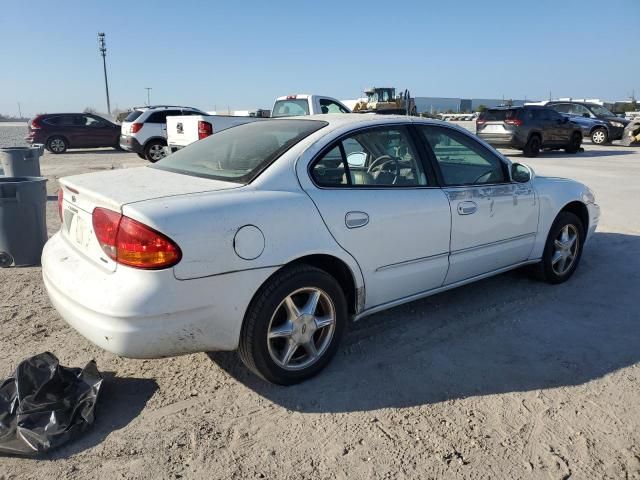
x: 330, y: 171
x: 562, y: 107
x: 329, y: 106
x: 378, y: 157
x: 161, y: 117
x: 462, y: 160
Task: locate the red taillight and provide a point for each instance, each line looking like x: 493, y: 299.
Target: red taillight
x: 135, y: 127
x: 132, y: 243
x: 60, y: 199
x: 204, y: 129
x: 513, y: 121
x: 480, y: 121
x: 35, y: 123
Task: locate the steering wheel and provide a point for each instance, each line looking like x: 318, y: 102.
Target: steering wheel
x: 379, y: 164
x: 487, y: 174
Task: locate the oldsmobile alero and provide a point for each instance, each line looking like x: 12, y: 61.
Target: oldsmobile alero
x: 270, y: 236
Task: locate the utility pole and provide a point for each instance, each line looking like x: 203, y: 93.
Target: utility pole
x: 19, y: 111
x: 102, y: 48
x: 148, y: 89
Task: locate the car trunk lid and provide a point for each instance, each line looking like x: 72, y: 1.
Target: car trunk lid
x: 114, y: 189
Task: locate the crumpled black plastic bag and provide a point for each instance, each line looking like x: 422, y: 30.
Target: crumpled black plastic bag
x: 43, y: 404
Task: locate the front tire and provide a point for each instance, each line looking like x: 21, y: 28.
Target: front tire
x: 154, y: 151
x: 574, y: 143
x: 57, y: 145
x: 600, y: 136
x: 563, y: 249
x: 532, y: 148
x: 293, y: 325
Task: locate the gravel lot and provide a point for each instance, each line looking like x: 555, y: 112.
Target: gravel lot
x: 505, y: 378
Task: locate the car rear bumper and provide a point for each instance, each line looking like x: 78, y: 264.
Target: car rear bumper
x: 130, y: 144
x: 146, y: 314
x: 501, y: 140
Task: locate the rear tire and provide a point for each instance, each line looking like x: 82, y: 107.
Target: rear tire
x: 154, y: 151
x: 600, y: 136
x: 57, y: 145
x: 563, y: 249
x: 574, y: 143
x: 285, y: 339
x: 532, y: 148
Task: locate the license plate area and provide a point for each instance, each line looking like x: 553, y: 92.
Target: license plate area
x: 77, y: 228
x: 493, y: 129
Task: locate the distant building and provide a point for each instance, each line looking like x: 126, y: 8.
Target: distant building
x: 459, y: 105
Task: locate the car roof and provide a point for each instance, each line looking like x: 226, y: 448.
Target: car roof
x: 338, y: 120
x: 159, y: 107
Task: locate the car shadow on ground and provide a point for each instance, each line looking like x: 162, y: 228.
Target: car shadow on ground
x: 509, y: 333
x: 92, y: 151
x: 121, y: 401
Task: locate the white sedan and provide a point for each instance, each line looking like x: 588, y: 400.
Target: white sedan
x: 269, y: 237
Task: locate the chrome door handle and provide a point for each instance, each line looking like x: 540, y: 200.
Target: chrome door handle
x: 467, y: 208
x: 356, y: 219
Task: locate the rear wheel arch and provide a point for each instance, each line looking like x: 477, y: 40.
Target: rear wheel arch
x: 335, y: 267
x: 154, y: 140
x: 535, y: 134
x: 50, y: 137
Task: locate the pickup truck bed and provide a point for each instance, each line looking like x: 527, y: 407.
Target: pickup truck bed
x: 183, y: 130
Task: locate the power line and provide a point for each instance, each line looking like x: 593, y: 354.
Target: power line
x: 102, y: 48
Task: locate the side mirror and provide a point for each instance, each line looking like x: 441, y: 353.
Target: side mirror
x: 521, y: 173
x: 356, y: 159
x: 585, y: 114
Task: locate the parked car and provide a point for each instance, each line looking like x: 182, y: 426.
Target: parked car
x: 614, y: 125
x: 303, y: 104
x: 528, y: 128
x: 144, y: 131
x: 61, y: 131
x: 592, y: 128
x: 268, y: 237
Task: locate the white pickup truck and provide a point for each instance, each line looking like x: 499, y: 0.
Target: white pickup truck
x: 183, y: 130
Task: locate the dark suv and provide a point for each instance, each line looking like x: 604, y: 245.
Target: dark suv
x: 60, y: 131
x: 528, y: 128
x: 613, y: 125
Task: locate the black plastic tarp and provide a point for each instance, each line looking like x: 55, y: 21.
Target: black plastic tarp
x: 43, y: 404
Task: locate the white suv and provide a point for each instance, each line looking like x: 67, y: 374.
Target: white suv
x: 144, y: 131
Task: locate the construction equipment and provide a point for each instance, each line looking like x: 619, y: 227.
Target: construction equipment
x: 385, y: 101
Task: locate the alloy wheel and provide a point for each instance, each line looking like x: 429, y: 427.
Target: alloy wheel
x: 301, y: 328
x: 156, y: 152
x: 57, y: 145
x: 565, y: 249
x: 598, y: 137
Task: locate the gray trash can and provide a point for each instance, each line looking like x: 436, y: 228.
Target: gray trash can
x: 23, y: 220
x: 21, y: 161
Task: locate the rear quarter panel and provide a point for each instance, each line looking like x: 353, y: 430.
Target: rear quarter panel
x: 205, y: 227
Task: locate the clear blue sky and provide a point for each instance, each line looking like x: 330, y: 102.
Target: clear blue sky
x: 244, y: 54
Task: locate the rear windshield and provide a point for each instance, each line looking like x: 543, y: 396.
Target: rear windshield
x: 499, y: 115
x: 240, y: 153
x: 133, y: 115
x: 290, y: 108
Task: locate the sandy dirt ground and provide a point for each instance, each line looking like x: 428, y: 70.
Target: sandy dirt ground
x: 505, y: 378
